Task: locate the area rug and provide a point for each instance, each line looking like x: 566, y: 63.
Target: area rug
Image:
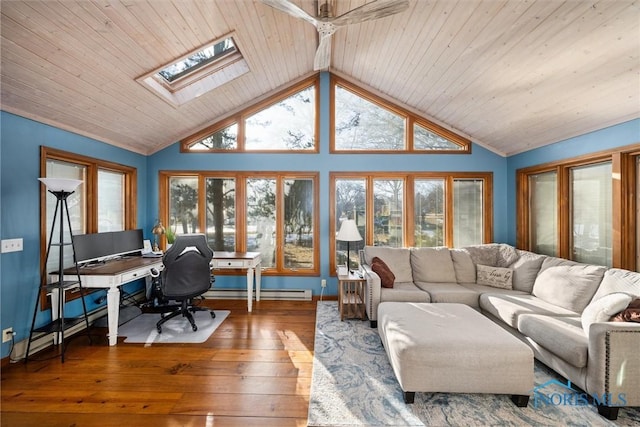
x: 353, y: 384
x: 142, y: 329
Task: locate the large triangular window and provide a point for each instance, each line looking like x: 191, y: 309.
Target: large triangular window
x: 364, y: 122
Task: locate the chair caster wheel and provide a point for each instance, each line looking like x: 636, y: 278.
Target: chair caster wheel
x: 194, y: 327
x: 159, y: 329
x: 213, y: 315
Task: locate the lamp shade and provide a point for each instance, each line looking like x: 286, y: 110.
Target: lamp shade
x: 349, y: 231
x: 61, y: 184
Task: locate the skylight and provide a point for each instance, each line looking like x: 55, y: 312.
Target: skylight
x: 197, y: 60
x: 197, y: 72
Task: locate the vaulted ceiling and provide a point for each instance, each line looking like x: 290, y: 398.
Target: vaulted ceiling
x: 511, y: 75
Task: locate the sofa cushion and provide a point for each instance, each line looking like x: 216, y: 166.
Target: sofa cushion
x: 432, y: 265
x: 617, y: 280
x: 497, y: 277
x: 404, y: 292
x: 561, y: 335
x: 494, y: 254
x: 568, y: 286
x: 398, y: 260
x: 463, y: 265
x: 508, y: 307
x: 525, y: 270
x: 382, y: 270
x: 450, y: 292
x: 602, y: 309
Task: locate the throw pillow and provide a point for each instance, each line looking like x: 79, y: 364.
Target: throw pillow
x: 629, y: 314
x: 496, y: 277
x: 382, y: 269
x: 602, y: 309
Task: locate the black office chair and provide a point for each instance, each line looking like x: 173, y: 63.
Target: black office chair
x: 186, y: 275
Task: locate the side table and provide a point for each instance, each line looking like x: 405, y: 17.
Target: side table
x: 351, y: 296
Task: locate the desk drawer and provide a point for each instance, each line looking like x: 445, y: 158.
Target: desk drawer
x: 234, y: 263
x: 134, y: 275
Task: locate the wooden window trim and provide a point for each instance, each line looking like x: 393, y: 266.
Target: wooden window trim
x: 240, y: 117
x: 409, y: 184
x: 409, y: 118
x: 91, y: 187
x: 241, y: 178
x: 623, y: 161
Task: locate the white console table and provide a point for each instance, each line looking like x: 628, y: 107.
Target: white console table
x: 239, y: 261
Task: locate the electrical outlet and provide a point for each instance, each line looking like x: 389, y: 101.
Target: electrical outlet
x: 11, y: 245
x: 323, y: 283
x: 7, y: 334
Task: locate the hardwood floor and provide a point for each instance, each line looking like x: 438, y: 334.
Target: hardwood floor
x: 255, y: 370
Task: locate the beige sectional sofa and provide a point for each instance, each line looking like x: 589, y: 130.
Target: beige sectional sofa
x: 560, y: 308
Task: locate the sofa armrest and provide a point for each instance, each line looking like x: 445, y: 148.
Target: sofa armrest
x: 613, y: 369
x: 371, y: 294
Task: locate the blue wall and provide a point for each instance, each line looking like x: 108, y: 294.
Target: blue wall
x: 604, y: 139
x: 20, y: 210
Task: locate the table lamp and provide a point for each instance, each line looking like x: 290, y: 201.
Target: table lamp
x: 157, y: 230
x: 348, y: 233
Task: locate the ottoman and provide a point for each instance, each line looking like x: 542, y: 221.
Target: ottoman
x: 452, y: 348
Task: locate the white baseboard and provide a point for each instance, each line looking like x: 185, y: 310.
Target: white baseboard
x: 267, y: 294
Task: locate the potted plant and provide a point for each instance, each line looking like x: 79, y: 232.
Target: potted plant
x: 171, y: 237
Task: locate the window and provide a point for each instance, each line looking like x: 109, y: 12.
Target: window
x: 584, y: 209
x: 112, y: 186
x: 197, y: 72
x: 285, y: 122
x: 363, y: 122
x: 544, y: 208
x: 415, y: 209
x: 591, y: 214
x: 274, y: 213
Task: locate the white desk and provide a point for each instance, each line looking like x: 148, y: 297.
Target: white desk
x: 241, y: 260
x: 111, y: 275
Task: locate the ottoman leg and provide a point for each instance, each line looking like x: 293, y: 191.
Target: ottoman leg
x: 409, y: 396
x: 520, y: 400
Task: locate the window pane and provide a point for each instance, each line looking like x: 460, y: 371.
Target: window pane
x: 193, y: 62
x: 350, y: 204
x: 224, y: 139
x: 424, y: 139
x: 221, y: 214
x: 543, y: 224
x: 298, y: 223
x: 183, y: 205
x: 363, y: 125
x: 110, y: 201
x: 287, y: 125
x: 467, y: 212
x: 638, y: 213
x: 388, y: 205
x: 429, y: 212
x: 591, y: 214
x: 77, y: 213
x: 261, y: 219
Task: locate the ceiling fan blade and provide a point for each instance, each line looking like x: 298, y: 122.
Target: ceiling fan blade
x: 371, y: 11
x: 323, y: 54
x: 291, y: 9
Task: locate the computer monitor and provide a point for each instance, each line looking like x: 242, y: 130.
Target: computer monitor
x: 99, y: 246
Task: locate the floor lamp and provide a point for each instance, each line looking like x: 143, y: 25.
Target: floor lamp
x: 348, y: 233
x: 62, y: 188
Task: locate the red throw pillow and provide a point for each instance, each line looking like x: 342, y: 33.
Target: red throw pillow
x: 630, y: 314
x: 381, y: 269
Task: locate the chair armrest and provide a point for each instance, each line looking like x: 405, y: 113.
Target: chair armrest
x: 372, y: 294
x: 614, y: 362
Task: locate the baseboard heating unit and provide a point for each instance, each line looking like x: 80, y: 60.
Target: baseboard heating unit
x: 266, y: 294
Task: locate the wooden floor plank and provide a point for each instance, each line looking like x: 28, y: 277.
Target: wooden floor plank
x: 255, y: 370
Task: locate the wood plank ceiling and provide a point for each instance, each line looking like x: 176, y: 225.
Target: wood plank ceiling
x: 511, y: 75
